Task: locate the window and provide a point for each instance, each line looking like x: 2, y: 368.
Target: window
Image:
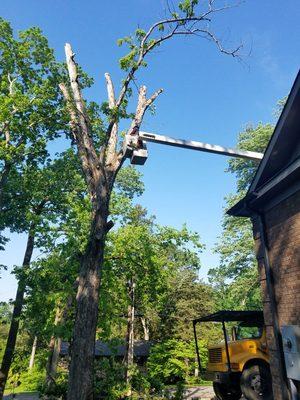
x: 248, y: 332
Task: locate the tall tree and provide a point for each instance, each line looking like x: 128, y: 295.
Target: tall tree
x: 51, y: 283
x: 141, y: 276
x: 102, y: 159
x: 30, y: 101
x: 236, y: 278
x: 35, y: 199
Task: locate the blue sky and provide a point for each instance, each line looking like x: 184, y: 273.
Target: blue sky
x: 207, y: 96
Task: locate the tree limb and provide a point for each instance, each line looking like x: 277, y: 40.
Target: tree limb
x: 75, y: 129
x: 92, y: 168
x: 78, y: 100
x: 142, y: 106
x: 153, y: 97
x: 174, y: 23
x: 110, y: 91
x: 110, y: 147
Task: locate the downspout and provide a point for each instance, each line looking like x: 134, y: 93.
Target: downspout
x: 272, y: 298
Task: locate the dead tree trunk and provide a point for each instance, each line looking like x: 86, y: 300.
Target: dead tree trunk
x: 145, y: 326
x: 100, y: 169
x: 14, y: 325
x: 32, y: 355
x: 130, y: 338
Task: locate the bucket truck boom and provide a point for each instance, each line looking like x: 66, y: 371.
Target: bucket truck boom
x: 135, y: 147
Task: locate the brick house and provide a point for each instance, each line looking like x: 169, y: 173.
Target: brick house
x: 273, y: 204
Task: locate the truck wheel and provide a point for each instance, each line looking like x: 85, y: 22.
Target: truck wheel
x: 226, y: 392
x: 256, y: 383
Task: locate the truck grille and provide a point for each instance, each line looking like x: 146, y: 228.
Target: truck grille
x: 215, y: 355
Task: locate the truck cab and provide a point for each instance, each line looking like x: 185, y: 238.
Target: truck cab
x: 239, y: 364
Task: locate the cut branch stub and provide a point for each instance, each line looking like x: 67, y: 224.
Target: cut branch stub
x: 132, y: 140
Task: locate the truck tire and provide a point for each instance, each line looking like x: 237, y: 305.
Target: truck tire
x: 226, y: 392
x: 256, y: 382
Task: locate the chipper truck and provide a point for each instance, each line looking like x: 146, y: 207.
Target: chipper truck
x: 239, y: 364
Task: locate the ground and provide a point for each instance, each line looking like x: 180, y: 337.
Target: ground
x: 22, y: 396
x: 203, y: 393
x: 192, y: 393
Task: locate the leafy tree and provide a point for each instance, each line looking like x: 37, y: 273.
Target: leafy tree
x: 102, y: 157
x: 171, y: 361
x: 236, y: 278
x: 30, y: 102
x: 187, y: 299
x: 5, y: 318
x: 35, y: 200
x: 151, y: 256
x: 51, y: 280
x: 143, y: 261
x: 31, y: 107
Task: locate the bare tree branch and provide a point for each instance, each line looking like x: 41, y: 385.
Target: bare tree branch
x: 110, y: 91
x: 211, y: 36
x: 78, y: 100
x: 153, y: 97
x: 174, y: 24
x: 76, y: 132
x: 142, y: 106
x: 73, y: 117
x: 108, y: 153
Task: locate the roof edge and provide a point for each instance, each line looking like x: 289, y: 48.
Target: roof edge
x: 282, y: 118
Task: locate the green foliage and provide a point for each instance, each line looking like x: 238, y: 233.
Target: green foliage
x: 186, y: 299
x: 171, y: 361
x: 57, y: 391
x: 109, y: 379
x: 236, y: 278
x: 30, y: 102
x: 5, y: 317
x: 151, y: 256
x: 251, y: 139
x: 188, y: 7
x: 26, y: 381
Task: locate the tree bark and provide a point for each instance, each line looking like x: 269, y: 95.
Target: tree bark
x: 55, y: 347
x: 53, y: 357
x: 145, y: 328
x: 80, y: 385
x: 14, y: 325
x: 55, y: 342
x: 130, y: 339
x: 33, y: 351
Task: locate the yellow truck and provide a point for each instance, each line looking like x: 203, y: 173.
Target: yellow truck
x: 239, y: 365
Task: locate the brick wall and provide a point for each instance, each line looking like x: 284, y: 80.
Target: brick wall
x: 283, y: 235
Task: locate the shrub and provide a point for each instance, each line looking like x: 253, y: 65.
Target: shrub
x: 173, y: 361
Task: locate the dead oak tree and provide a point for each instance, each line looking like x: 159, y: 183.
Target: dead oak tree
x: 101, y: 165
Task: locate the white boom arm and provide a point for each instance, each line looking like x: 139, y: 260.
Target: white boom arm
x: 139, y: 154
